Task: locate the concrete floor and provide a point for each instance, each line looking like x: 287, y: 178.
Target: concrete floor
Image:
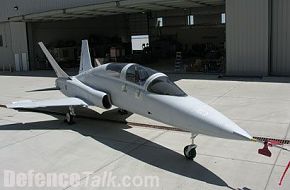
x: 44, y: 143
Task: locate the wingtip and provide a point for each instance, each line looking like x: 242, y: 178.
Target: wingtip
x: 3, y: 106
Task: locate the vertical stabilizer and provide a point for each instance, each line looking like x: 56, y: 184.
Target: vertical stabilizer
x: 59, y: 72
x: 86, y: 63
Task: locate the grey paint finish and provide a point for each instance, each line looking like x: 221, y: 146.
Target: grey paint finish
x: 182, y: 111
x: 247, y: 37
x: 280, y: 38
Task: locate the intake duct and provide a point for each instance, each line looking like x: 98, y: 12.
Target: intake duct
x: 93, y: 97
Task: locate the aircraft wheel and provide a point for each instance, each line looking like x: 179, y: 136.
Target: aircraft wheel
x: 190, y: 152
x: 69, y: 118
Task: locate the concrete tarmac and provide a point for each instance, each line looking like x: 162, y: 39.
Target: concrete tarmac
x: 95, y: 148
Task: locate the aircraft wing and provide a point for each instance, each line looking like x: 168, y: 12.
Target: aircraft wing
x: 69, y: 101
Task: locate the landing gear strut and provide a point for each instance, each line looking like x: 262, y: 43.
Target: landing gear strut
x: 189, y: 150
x: 69, y: 116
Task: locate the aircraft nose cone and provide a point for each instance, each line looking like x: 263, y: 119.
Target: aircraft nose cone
x: 225, y: 128
x: 238, y: 133
x: 243, y: 136
x: 210, y: 122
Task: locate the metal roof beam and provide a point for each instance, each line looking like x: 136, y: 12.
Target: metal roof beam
x: 165, y: 6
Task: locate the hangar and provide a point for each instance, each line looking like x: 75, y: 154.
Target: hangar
x: 242, y: 37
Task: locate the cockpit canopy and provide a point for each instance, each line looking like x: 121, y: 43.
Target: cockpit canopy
x: 115, y: 69
x: 134, y: 73
x: 163, y: 86
x: 138, y: 74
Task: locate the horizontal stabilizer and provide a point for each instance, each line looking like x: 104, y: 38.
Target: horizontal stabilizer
x: 44, y: 89
x: 47, y: 103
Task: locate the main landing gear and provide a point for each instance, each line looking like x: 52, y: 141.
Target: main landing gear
x: 69, y: 116
x: 189, y: 150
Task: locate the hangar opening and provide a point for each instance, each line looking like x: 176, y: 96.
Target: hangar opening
x: 170, y: 36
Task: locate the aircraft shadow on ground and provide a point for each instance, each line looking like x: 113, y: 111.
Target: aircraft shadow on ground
x: 113, y: 135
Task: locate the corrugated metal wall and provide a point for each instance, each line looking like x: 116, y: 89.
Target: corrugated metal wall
x: 14, y: 42
x: 280, y: 37
x: 247, y: 37
x: 6, y: 53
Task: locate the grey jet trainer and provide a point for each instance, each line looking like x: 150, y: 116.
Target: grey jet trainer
x: 140, y: 90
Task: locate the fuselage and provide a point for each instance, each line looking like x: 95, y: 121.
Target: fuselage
x: 146, y: 97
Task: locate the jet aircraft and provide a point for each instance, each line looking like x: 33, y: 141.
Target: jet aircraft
x: 137, y: 89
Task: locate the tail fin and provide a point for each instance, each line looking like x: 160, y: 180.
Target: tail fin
x: 86, y: 63
x: 59, y: 72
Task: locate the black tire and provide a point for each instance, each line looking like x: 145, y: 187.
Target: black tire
x: 191, y: 154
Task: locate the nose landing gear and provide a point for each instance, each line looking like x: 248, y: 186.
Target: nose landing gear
x: 190, y: 150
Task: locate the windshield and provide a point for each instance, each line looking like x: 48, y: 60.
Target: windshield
x: 163, y: 86
x: 138, y: 74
